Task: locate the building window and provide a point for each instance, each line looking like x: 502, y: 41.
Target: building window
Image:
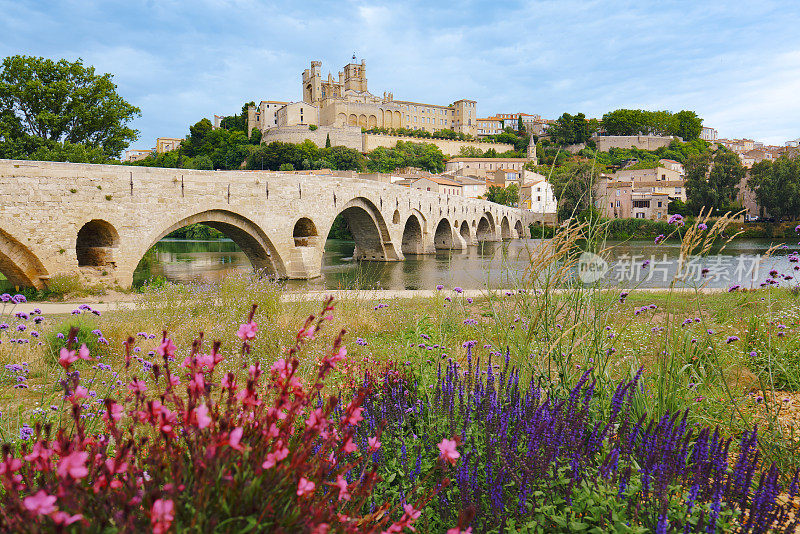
x: 659, y: 203
x: 617, y: 203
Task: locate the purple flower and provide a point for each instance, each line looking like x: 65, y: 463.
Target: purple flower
x: 702, y: 226
x: 19, y: 299
x: 645, y: 263
x: 458, y: 290
x: 732, y: 339
x: 5, y: 297
x: 733, y: 288
x: 623, y: 296
x: 676, y: 219
x: 439, y: 287
x: 659, y: 239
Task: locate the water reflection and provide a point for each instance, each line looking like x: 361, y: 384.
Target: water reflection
x: 494, y: 264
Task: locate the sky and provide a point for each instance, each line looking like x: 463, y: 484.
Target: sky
x: 737, y: 64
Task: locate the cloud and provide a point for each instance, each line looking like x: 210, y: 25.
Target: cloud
x: 181, y: 61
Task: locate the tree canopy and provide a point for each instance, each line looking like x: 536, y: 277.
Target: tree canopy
x: 61, y: 103
x: 777, y: 187
x: 507, y: 196
x: 712, y: 181
x: 684, y: 124
x: 573, y: 187
x: 571, y: 129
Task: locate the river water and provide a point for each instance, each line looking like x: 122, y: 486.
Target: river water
x: 498, y: 265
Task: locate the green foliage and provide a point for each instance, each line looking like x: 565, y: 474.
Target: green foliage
x: 712, y: 181
x: 255, y: 136
x: 195, y: 231
x: 237, y: 122
x: 573, y: 187
x: 684, y: 124
x: 37, y: 148
x: 327, y: 140
x: 777, y: 186
x: 59, y: 104
x: 571, y: 130
x: 286, y: 167
x: 302, y: 156
x: 312, y: 127
x: 424, y: 134
x: 507, y: 196
x: 425, y: 156
x: 340, y: 230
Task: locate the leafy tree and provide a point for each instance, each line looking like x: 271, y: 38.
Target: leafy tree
x: 777, y: 187
x: 255, y: 136
x: 573, y: 187
x: 507, y: 196
x: 327, y: 140
x: 286, y: 167
x: 237, y: 122
x: 63, y: 102
x: 712, y: 181
x: 425, y: 156
x: 520, y: 126
x: 197, y: 138
x: 687, y: 125
x: 570, y: 130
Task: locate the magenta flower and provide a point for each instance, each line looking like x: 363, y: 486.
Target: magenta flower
x: 166, y: 348
x: 161, y: 515
x: 304, y: 487
x: 341, y: 483
x: 201, y: 414
x: 447, y: 451
x: 73, y: 465
x: 374, y: 444
x: 41, y: 503
x: 659, y: 239
x: 702, y: 226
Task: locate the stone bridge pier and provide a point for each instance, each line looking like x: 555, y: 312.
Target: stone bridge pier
x: 98, y: 221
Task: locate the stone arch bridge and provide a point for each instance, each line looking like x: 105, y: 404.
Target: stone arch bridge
x: 100, y: 220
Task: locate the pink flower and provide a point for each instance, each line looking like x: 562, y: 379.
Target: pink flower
x: 235, y: 438
x: 274, y: 457
x: 247, y: 330
x: 336, y: 358
x: 63, y: 518
x: 374, y: 444
x: 114, y: 412
x: 354, y: 417
x: 80, y: 393
x: 305, y: 486
x: 174, y: 380
x: 73, y: 465
x: 203, y: 419
x: 39, y: 451
x: 344, y: 495
x: 66, y: 357
x: 349, y: 446
x: 166, y: 348
x: 83, y: 352
x: 41, y: 503
x: 137, y: 386
x: 197, y: 383
x: 448, y: 452
x: 316, y: 419
x: 228, y: 382
x: 161, y: 515
x: 457, y: 530
x: 410, y: 512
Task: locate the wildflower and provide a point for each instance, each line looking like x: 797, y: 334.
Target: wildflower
x: 201, y: 414
x: 374, y: 444
x: 63, y: 518
x: 733, y: 288
x: 702, y: 226
x: 797, y: 228
x: 457, y: 530
x: 304, y: 486
x: 247, y: 331
x: 41, y: 503
x: 447, y: 450
x: 349, y: 446
x: 623, y: 296
x: 73, y: 465
x: 645, y: 263
x: 458, y: 290
x: 341, y: 483
x: 235, y: 438
x: 659, y: 239
x: 137, y: 386
x: 114, y: 413
x: 166, y: 348
x: 676, y: 219
x: 354, y: 417
x: 732, y: 339
x: 275, y: 457
x: 66, y: 357
x: 753, y: 354
x: 161, y: 515
x: 439, y: 287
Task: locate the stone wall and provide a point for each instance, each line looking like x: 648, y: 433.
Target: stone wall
x: 447, y: 146
x: 98, y: 221
x: 349, y: 137
x: 643, y: 142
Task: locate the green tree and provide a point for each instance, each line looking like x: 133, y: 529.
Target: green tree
x: 573, y: 187
x: 255, y: 136
x: 520, y: 126
x: 712, y: 181
x: 687, y: 125
x: 63, y: 102
x: 327, y: 140
x: 777, y: 187
x: 570, y: 130
x: 507, y: 196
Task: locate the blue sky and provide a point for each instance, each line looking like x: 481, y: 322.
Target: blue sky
x: 736, y: 63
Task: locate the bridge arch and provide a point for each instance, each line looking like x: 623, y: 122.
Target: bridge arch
x: 464, y: 231
x: 305, y: 233
x: 505, y: 229
x: 19, y: 265
x: 443, y: 236
x: 485, y: 231
x: 520, y: 229
x: 96, y: 243
x: 412, y: 236
x: 369, y: 230
x: 247, y: 235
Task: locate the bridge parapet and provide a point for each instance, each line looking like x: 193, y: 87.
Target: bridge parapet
x: 100, y: 220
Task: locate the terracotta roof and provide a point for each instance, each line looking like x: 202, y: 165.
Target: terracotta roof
x: 441, y: 181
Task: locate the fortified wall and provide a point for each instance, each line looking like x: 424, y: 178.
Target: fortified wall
x: 351, y: 137
x: 642, y: 142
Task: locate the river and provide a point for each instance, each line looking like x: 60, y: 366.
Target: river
x: 630, y: 263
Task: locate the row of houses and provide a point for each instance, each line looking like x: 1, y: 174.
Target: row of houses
x: 641, y: 193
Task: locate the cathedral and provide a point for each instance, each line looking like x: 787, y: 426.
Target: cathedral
x: 345, y: 102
